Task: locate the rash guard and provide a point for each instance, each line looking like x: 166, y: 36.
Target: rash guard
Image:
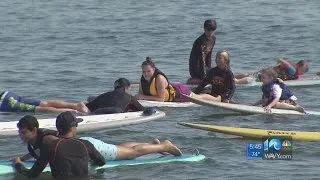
x: 200, y: 56
x: 115, y: 99
x: 222, y: 82
x: 68, y: 159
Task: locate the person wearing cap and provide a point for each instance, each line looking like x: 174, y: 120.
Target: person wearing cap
x: 123, y: 151
x: 66, y: 148
x: 12, y: 102
x: 68, y: 156
x: 117, y: 101
x: 200, y: 56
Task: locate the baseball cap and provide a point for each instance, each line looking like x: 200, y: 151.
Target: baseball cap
x: 210, y: 24
x: 121, y: 83
x: 66, y: 120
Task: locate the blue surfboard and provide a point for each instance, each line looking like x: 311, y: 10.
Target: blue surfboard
x: 7, y: 168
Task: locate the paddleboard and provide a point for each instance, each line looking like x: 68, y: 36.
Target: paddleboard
x: 242, y: 108
x: 90, y: 123
x: 167, y: 104
x: 256, y: 133
x: 6, y: 166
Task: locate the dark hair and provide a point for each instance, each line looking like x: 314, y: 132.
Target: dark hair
x: 227, y: 58
x: 302, y: 63
x: 29, y: 122
x: 270, y: 72
x: 147, y: 62
x: 121, y: 83
x: 210, y: 24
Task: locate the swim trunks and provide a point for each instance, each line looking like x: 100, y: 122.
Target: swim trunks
x: 108, y: 151
x: 11, y: 102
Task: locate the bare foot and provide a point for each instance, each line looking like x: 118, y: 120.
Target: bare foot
x: 82, y: 108
x: 300, y: 109
x: 172, y: 149
x: 157, y: 141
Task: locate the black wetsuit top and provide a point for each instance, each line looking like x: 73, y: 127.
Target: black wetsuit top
x: 222, y: 82
x: 68, y: 159
x: 115, y: 99
x: 39, y: 141
x: 200, y: 56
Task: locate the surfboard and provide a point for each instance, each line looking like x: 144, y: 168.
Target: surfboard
x: 6, y: 166
x: 256, y: 133
x: 90, y: 123
x: 146, y: 103
x: 291, y: 83
x: 242, y: 108
x: 167, y: 104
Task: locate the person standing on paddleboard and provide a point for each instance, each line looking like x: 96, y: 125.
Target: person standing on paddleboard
x: 200, y: 56
x: 276, y: 94
x: 118, y: 101
x: 11, y: 102
x: 68, y: 157
x: 285, y: 70
x: 155, y: 86
x: 221, y: 79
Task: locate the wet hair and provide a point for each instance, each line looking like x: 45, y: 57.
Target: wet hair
x: 302, y: 63
x: 121, y: 83
x: 29, y: 122
x: 270, y: 72
x: 227, y: 58
x: 147, y: 62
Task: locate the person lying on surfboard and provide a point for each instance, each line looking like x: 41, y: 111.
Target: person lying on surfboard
x: 118, y: 101
x: 285, y: 69
x: 221, y: 79
x: 200, y: 56
x: 12, y: 102
x: 154, y: 85
x: 68, y: 157
x: 65, y: 147
x: 276, y: 94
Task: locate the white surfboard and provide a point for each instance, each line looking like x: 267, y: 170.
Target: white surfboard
x: 291, y: 83
x: 167, y: 104
x: 90, y: 123
x: 247, y: 108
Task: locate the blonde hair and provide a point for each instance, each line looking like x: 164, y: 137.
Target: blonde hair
x: 226, y: 56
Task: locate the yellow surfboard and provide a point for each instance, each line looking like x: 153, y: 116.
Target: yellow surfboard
x: 256, y: 133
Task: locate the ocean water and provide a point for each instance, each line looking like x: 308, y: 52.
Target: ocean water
x: 72, y: 49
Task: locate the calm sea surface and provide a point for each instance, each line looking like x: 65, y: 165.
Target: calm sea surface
x: 73, y: 49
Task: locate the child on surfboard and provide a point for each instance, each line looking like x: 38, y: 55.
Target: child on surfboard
x: 276, y: 94
x: 221, y: 78
x: 285, y: 70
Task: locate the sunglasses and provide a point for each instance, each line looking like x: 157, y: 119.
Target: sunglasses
x: 210, y: 29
